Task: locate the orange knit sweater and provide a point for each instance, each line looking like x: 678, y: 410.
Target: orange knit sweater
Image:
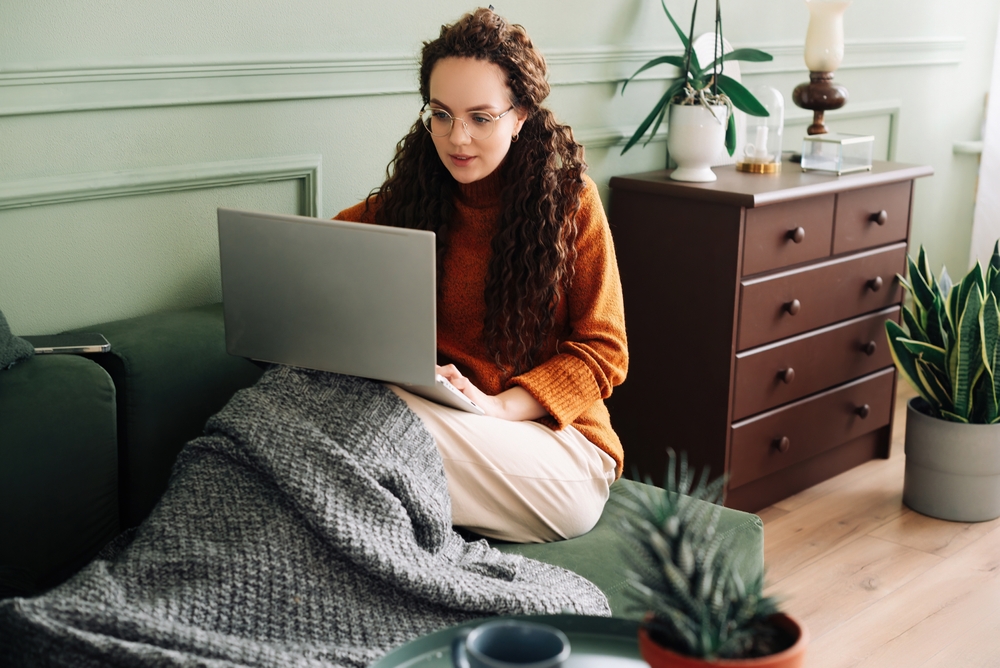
x: 587, y: 354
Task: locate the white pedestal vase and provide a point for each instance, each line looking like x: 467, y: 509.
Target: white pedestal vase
x: 952, y: 469
x: 695, y: 138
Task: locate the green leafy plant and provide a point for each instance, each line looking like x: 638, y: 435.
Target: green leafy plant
x: 700, y: 85
x: 684, y: 574
x: 949, y: 350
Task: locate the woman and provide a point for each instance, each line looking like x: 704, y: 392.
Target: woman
x: 530, y: 318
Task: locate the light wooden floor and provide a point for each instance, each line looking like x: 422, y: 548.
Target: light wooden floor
x: 877, y: 584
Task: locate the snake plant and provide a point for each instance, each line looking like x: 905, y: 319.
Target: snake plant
x: 700, y: 85
x: 949, y: 350
x: 683, y: 572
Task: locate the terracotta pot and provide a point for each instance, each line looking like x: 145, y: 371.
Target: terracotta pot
x: 658, y: 656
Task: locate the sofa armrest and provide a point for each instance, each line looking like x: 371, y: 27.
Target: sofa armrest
x: 58, y: 470
x: 172, y: 372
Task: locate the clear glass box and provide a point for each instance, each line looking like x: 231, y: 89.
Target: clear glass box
x: 837, y: 152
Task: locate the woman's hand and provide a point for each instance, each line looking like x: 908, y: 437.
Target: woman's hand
x: 514, y: 404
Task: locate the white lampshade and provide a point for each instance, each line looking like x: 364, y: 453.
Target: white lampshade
x: 825, y: 35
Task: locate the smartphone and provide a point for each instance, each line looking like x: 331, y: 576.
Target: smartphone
x: 82, y: 342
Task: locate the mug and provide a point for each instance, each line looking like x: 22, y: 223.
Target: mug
x: 510, y: 644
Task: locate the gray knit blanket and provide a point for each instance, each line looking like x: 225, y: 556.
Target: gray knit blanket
x: 309, y: 526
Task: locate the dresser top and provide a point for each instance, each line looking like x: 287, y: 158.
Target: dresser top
x: 753, y: 190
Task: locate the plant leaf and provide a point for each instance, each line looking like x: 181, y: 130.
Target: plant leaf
x: 952, y: 417
x: 680, y: 33
x: 968, y: 358
x: 676, y: 61
x: 731, y: 134
x: 741, y: 97
x: 989, y: 325
x: 905, y: 360
x: 982, y: 399
x: 944, y: 283
x: 931, y: 383
x: 748, y: 55
x: 974, y: 277
x: 924, y: 266
x: 927, y: 352
x: 656, y: 126
x: 921, y: 291
x: 641, y: 130
x: 994, y: 286
x: 917, y: 332
x: 696, y: 69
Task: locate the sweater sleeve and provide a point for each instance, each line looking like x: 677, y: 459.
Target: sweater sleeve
x: 593, y: 358
x: 362, y: 212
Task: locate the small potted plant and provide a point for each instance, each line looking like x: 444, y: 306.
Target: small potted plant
x: 698, y: 610
x: 700, y: 103
x: 949, y: 351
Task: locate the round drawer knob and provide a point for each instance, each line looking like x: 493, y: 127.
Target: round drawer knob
x: 793, y: 306
x: 782, y: 444
x: 787, y: 375
x: 797, y: 235
x: 875, y: 284
x: 880, y: 218
x: 870, y: 348
x: 863, y: 411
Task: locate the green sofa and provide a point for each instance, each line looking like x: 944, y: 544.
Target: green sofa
x: 87, y: 444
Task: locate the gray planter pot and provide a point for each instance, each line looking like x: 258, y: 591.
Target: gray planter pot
x: 952, y: 469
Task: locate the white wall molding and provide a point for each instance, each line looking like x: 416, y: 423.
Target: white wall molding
x: 611, y: 137
x: 174, y: 178
x: 890, y: 108
x: 974, y: 147
x: 866, y: 54
x: 600, y: 138
x: 59, y: 88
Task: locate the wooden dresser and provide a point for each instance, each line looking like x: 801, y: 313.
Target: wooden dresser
x: 755, y: 308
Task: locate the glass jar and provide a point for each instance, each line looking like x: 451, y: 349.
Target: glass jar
x: 762, y: 150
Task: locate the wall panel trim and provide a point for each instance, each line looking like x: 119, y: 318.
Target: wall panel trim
x: 173, y: 178
x: 55, y: 88
x: 890, y: 108
x: 611, y: 137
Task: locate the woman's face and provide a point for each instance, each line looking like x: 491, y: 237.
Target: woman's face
x: 461, y: 86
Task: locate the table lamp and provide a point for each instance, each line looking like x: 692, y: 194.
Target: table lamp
x: 823, y: 53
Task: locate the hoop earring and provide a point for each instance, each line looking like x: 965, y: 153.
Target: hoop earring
x: 514, y: 137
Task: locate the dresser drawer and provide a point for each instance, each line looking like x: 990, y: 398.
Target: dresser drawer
x: 872, y: 217
x: 780, y: 305
x: 793, y: 368
x: 767, y: 443
x: 788, y: 233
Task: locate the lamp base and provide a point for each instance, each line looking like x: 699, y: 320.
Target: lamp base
x: 819, y: 95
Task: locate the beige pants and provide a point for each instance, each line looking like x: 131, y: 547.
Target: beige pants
x: 516, y: 481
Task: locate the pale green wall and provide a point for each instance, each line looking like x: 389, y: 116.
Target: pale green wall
x: 124, y: 124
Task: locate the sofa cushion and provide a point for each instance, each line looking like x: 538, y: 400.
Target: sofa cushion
x: 598, y: 555
x: 58, y: 469
x: 172, y: 373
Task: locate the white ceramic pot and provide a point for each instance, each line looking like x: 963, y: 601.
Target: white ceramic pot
x: 695, y: 138
x: 952, y: 469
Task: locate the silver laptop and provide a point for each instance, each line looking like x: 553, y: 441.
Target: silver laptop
x: 350, y: 298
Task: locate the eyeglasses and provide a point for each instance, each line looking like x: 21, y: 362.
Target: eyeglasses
x: 479, y: 125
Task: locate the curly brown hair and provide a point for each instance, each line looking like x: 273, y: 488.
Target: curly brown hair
x: 534, y: 251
